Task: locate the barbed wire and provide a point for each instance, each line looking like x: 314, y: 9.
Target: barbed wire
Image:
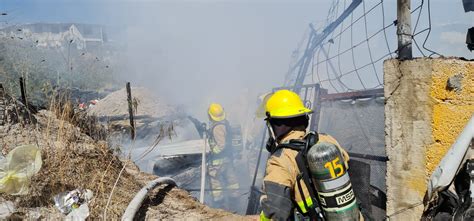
x: 350, y: 58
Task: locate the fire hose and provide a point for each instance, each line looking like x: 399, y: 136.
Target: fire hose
x: 137, y: 201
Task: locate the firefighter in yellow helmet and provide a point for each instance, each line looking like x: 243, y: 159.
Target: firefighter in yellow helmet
x: 287, y: 120
x: 224, y: 183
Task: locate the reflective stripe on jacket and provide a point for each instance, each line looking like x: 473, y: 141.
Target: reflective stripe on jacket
x: 220, y: 139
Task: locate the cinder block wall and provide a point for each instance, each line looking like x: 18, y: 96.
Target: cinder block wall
x: 428, y: 102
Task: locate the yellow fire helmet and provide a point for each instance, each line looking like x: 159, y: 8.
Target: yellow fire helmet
x: 216, y: 112
x: 285, y: 104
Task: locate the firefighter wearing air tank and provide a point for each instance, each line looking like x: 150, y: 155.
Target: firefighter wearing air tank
x: 301, y: 159
x: 224, y: 183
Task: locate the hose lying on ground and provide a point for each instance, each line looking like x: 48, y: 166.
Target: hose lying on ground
x: 137, y: 201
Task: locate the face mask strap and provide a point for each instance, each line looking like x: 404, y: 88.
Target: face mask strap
x: 270, y: 130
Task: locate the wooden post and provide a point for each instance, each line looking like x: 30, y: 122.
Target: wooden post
x: 2, y: 105
x: 23, y: 92
x: 404, y: 29
x: 130, y: 111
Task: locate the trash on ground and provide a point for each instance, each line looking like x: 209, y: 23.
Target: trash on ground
x: 17, y: 168
x: 80, y: 213
x: 7, y: 208
x: 70, y: 201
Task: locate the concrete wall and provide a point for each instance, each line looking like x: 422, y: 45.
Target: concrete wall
x: 428, y: 102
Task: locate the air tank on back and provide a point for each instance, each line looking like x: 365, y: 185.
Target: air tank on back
x: 331, y: 180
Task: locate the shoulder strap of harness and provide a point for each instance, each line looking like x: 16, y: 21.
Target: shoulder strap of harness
x: 215, y: 124
x: 302, y: 146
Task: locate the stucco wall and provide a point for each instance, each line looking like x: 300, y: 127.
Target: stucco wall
x: 428, y: 102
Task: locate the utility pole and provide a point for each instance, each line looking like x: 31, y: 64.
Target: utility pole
x: 404, y: 29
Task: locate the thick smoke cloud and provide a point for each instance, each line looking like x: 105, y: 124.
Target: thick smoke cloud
x: 194, y: 53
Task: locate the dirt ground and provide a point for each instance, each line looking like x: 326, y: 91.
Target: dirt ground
x: 71, y: 160
x: 171, y: 203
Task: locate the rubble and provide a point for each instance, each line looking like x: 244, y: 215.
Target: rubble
x: 151, y: 115
x: 72, y: 159
x: 115, y: 105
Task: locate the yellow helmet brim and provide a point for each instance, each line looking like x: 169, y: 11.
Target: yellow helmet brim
x: 290, y: 112
x: 217, y: 118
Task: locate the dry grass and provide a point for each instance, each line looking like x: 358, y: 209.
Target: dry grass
x: 71, y: 159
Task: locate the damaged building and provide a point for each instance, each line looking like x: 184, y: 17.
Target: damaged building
x: 59, y: 35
